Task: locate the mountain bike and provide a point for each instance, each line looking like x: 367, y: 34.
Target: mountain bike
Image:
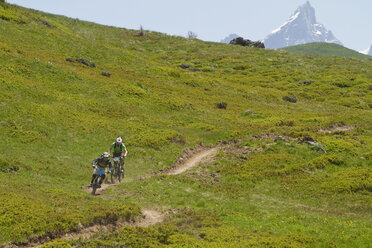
x: 98, y: 180
x: 118, y: 169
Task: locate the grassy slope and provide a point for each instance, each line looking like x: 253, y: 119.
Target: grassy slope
x: 56, y: 116
x: 326, y: 49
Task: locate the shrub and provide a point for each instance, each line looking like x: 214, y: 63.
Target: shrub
x: 191, y: 35
x: 291, y: 99
x: 141, y: 32
x: 221, y: 105
x: 324, y: 161
x: 7, y: 166
x: 349, y: 180
x: 337, y: 145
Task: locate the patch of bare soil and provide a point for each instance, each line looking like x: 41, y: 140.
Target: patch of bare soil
x: 192, y: 161
x: 344, y: 128
x: 150, y: 217
x: 190, y: 158
x: 101, y: 190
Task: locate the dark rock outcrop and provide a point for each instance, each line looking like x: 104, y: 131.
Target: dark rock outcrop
x: 312, y: 142
x: 243, y: 42
x: 82, y: 61
x: 106, y: 74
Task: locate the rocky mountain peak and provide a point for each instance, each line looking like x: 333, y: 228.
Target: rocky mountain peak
x: 301, y: 28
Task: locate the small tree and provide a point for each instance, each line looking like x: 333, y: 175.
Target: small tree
x: 191, y: 35
x: 142, y: 32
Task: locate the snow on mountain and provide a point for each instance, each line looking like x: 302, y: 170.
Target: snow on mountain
x: 301, y: 28
x: 229, y: 38
x: 368, y: 51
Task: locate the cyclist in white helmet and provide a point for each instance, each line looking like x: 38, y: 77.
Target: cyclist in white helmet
x: 118, y: 148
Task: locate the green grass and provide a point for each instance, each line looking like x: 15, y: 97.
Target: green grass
x: 326, y: 49
x: 57, y: 116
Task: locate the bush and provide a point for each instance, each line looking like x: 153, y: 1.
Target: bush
x: 349, y: 180
x: 191, y: 35
x: 324, y: 161
x: 8, y: 166
x: 221, y: 105
x: 291, y: 99
x: 141, y: 32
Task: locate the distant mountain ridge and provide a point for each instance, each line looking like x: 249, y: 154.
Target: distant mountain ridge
x: 368, y: 51
x: 301, y: 28
x: 229, y: 38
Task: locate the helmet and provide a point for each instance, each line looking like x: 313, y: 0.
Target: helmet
x: 105, y: 155
x: 119, y: 141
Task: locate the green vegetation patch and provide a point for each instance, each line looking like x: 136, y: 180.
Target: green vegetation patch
x: 167, y: 94
x: 325, y: 49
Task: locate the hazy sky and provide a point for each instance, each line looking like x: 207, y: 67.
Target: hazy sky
x: 213, y: 20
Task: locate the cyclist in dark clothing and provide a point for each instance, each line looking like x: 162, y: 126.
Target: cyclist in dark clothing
x: 100, y: 163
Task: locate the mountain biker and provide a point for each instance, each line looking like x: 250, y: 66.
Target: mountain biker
x: 100, y: 163
x: 119, y: 150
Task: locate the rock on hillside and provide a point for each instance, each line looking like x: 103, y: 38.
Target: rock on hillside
x: 301, y: 28
x: 242, y: 42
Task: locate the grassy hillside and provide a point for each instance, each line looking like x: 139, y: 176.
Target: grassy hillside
x: 58, y: 114
x: 326, y: 49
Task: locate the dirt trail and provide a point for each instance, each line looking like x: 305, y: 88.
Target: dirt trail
x: 101, y: 190
x: 149, y: 217
x: 344, y: 128
x: 193, y: 161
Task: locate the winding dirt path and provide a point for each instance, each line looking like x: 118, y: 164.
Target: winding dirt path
x: 193, y: 161
x: 190, y: 159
